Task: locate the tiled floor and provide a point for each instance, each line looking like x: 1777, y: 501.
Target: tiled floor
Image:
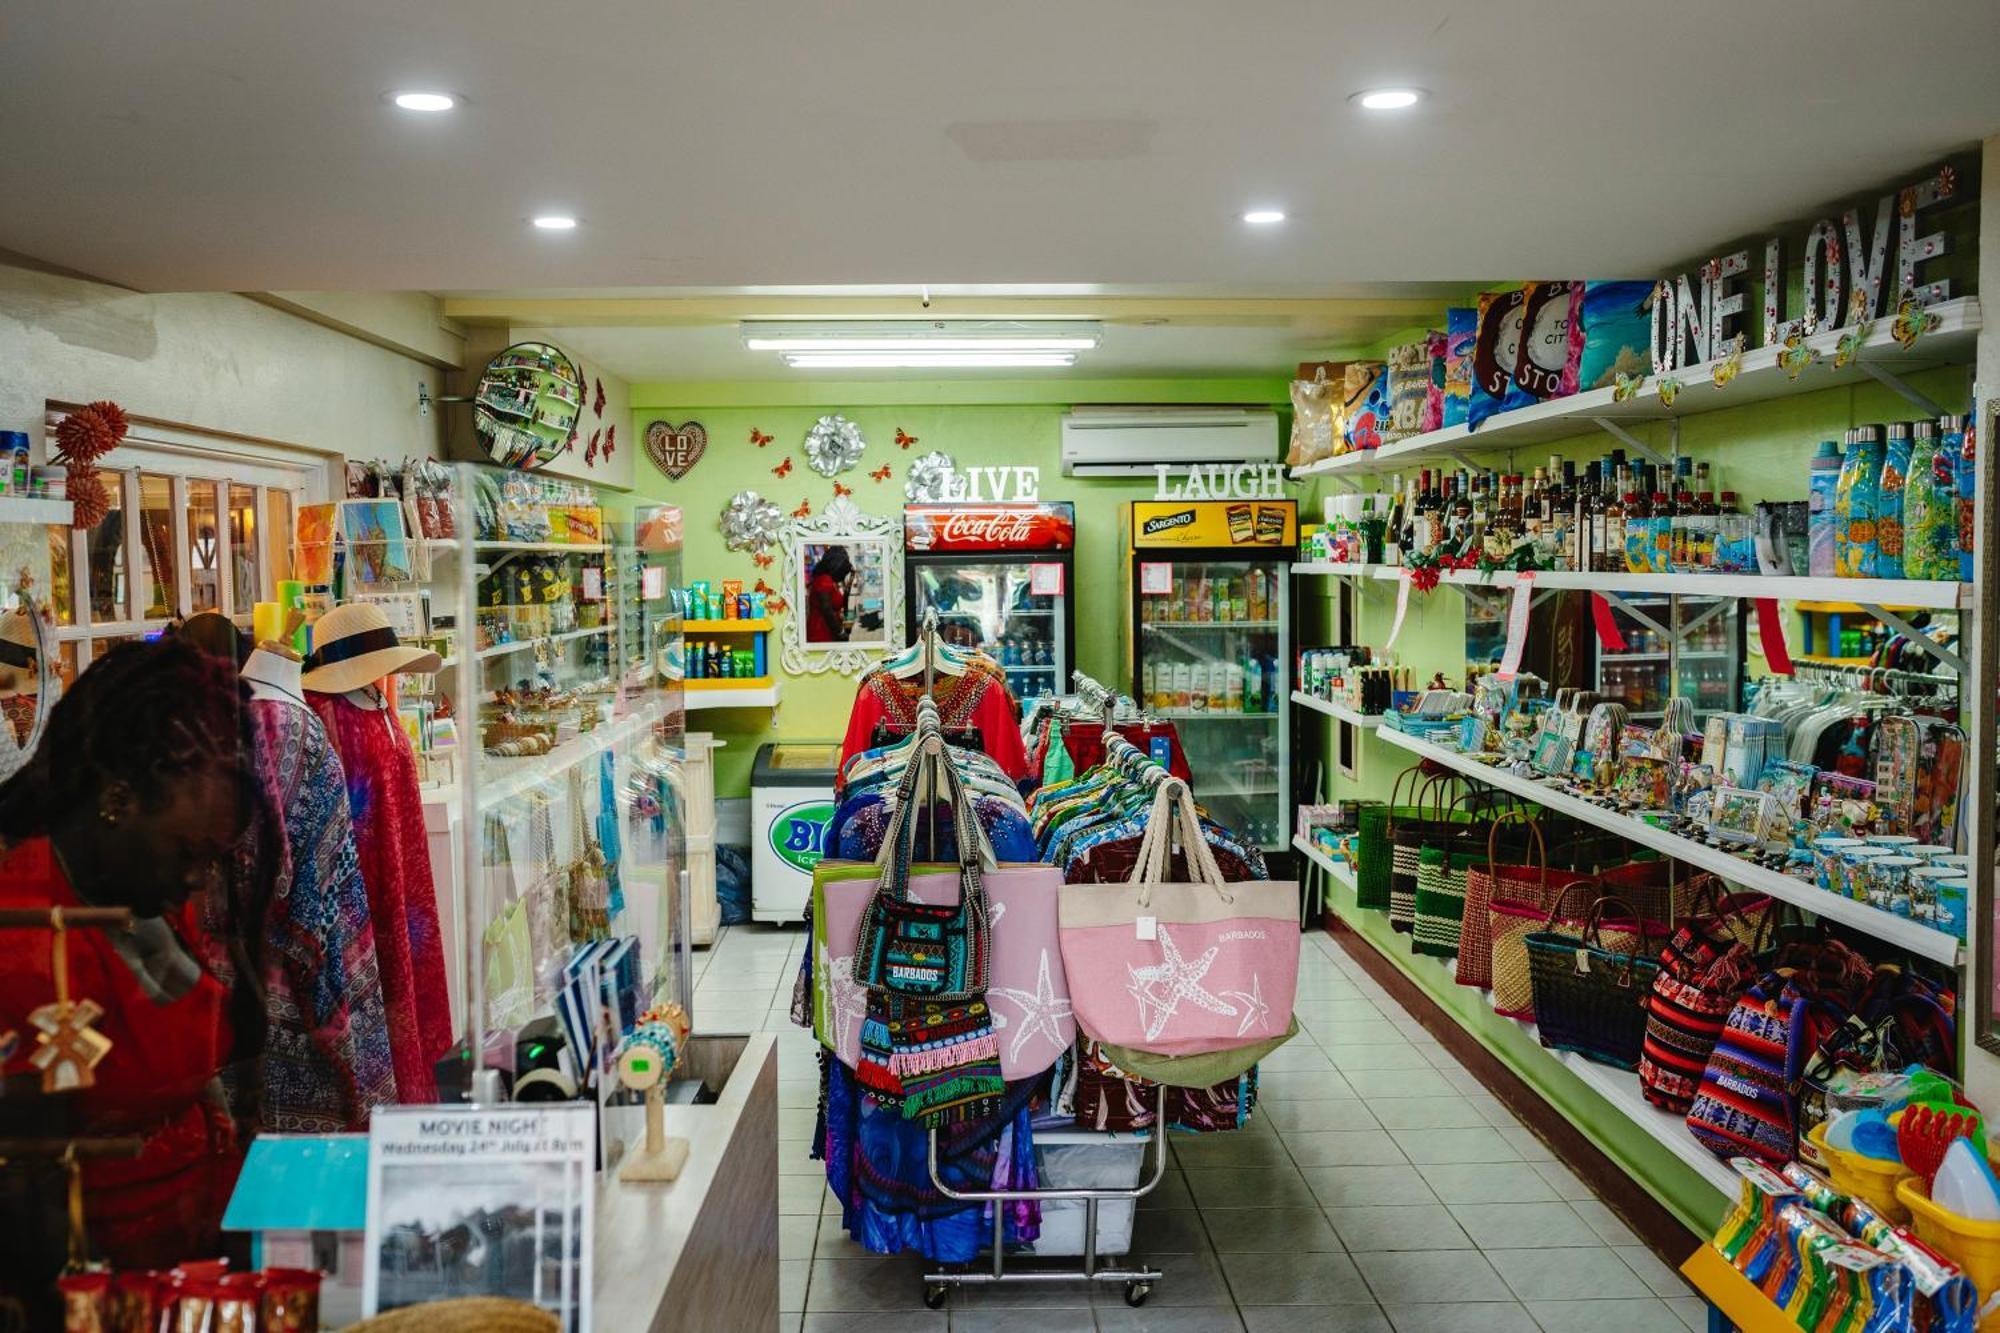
x: 1426, y: 1208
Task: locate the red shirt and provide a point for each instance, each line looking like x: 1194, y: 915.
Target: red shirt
x: 827, y: 590
x: 157, y: 1082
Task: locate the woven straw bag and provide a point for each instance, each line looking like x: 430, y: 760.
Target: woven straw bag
x: 1590, y: 997
x: 471, y: 1314
x: 1435, y: 819
x: 1487, y: 881
x: 1441, y: 876
x: 1513, y: 920
x: 1373, y: 849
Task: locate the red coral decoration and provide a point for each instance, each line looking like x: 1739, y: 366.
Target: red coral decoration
x: 89, y: 500
x: 83, y: 437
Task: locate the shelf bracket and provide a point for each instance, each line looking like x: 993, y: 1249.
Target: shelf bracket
x: 1628, y: 439
x: 1917, y: 637
x: 1924, y: 402
x: 1465, y: 461
x: 1636, y: 614
x: 1700, y: 620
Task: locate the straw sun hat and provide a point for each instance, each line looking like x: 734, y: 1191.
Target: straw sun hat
x: 354, y: 646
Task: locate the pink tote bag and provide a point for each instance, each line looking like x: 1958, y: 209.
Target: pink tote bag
x: 1181, y: 968
x: 1027, y: 992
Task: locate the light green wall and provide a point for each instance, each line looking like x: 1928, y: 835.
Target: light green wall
x: 974, y: 433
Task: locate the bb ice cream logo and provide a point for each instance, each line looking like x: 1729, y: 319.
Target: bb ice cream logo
x: 798, y: 834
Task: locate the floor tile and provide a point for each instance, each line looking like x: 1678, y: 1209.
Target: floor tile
x: 1487, y: 1182
x: 1405, y: 1083
x: 835, y: 1243
x: 796, y: 1122
x: 1304, y: 1085
x: 797, y: 1093
x: 792, y: 1283
x: 1438, y: 1146
x: 1465, y: 1081
x: 1353, y: 1186
x: 1409, y: 1226
x: 788, y: 1321
x: 1312, y: 1012
x: 1660, y: 1279
x: 1171, y: 1192
x: 1566, y: 1275
x: 1527, y: 1143
x: 1493, y: 1109
x: 1604, y: 1223
x: 1197, y: 1152
x: 1168, y: 1231
x: 1646, y: 1315
x: 1295, y: 1279
x: 1692, y: 1311
x: 1008, y: 1318
x: 1344, y: 1147
x: 1564, y: 1181
x: 1437, y: 1057
x: 1250, y: 1187
x: 1402, y: 1055
x: 1285, y: 1230
x: 1410, y: 1277
x: 1289, y: 1117
x: 1425, y: 1113
x: 801, y: 1194
x: 1295, y: 1054
x: 1524, y: 1226
x: 1187, y: 1280
x: 1149, y: 1318
x: 1316, y: 1318
x: 796, y: 1233
x: 860, y: 1285
x: 1333, y: 1032
x: 1468, y: 1317
x: 905, y: 1321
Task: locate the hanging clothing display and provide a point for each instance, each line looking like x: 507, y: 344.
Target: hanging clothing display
x: 975, y: 697
x: 389, y: 837
x: 326, y: 1060
x: 1064, y: 740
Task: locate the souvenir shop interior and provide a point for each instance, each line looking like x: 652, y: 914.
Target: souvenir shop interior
x: 1098, y: 714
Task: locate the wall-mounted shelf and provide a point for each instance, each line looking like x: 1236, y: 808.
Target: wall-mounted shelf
x: 1760, y: 378
x: 725, y: 626
x: 1352, y: 716
x: 29, y: 509
x: 542, y: 548
x: 1911, y: 936
x: 731, y: 692
x: 1909, y: 593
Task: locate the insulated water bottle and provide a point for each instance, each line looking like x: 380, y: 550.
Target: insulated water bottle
x: 1825, y: 478
x: 1855, y: 501
x: 1889, y: 486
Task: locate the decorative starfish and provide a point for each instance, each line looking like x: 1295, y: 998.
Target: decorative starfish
x: 1253, y: 1004
x: 846, y: 999
x: 1163, y: 986
x: 1042, y: 1011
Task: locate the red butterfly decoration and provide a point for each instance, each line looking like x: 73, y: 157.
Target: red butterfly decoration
x: 881, y: 473
x: 759, y: 438
x: 597, y: 409
x: 776, y: 605
x: 764, y: 588
x: 804, y: 510
x: 840, y: 490
x: 762, y: 560
x: 783, y: 469
x: 904, y: 438
x: 610, y: 438
x: 590, y: 451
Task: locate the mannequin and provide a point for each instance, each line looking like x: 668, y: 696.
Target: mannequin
x: 273, y: 671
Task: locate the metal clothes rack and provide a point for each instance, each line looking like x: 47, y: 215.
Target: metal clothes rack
x: 1138, y: 1278
x: 1877, y: 680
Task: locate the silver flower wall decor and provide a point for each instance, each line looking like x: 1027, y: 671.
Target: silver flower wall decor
x: 750, y: 522
x: 932, y: 478
x: 833, y: 445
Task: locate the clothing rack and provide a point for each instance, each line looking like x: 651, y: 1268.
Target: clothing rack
x: 1873, y: 678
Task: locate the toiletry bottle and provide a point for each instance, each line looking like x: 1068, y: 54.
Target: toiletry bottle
x: 1856, y: 554
x: 1889, y: 541
x: 1820, y: 522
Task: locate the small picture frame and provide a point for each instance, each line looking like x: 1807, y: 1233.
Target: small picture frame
x: 1740, y: 815
x: 1552, y: 754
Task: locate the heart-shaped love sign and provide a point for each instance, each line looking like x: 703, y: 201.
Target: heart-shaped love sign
x: 675, y: 449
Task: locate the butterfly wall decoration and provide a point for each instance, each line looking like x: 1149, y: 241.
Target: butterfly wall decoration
x: 804, y: 510
x: 1731, y: 364
x: 840, y: 490
x: 904, y: 439
x: 759, y: 438
x: 762, y: 560
x: 783, y: 469
x: 881, y: 473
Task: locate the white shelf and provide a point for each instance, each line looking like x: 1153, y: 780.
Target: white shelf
x: 1218, y: 715
x: 546, y: 548
x: 502, y: 779
x: 1351, y: 716
x: 1912, y: 936
x: 27, y: 509
x: 1209, y: 624
x: 1931, y: 594
x: 760, y: 697
x: 1759, y: 378
x: 1619, y: 1087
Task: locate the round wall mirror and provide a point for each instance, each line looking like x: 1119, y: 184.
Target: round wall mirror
x: 28, y: 684
x: 527, y: 405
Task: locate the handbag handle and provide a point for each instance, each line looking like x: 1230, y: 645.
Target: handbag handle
x: 1593, y: 937
x: 1493, y: 844
x: 894, y: 885
x: 1555, y: 908
x: 1156, y: 847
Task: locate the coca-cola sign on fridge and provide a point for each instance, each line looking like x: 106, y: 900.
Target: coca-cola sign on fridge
x: 1047, y: 526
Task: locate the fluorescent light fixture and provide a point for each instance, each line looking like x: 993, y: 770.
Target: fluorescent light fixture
x: 930, y: 337
x: 922, y: 360
x: 556, y: 222
x: 1388, y: 99
x: 429, y: 102
x: 1264, y: 217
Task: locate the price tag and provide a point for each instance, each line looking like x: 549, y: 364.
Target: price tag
x: 1771, y: 631
x: 1402, y: 606
x: 1517, y: 626
x: 1607, y: 624
x: 1156, y: 578
x: 1162, y: 751
x: 1045, y: 578
x: 1149, y: 927
x: 593, y: 584
x: 653, y: 582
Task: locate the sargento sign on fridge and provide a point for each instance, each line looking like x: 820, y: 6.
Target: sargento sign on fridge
x: 1213, y: 524
x: 1049, y: 525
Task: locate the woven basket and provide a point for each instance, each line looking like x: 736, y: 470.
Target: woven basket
x: 1511, y: 921
x: 471, y: 1314
x: 1590, y: 998
x: 1489, y: 880
x: 1407, y: 839
x: 1441, y: 878
x: 1372, y: 850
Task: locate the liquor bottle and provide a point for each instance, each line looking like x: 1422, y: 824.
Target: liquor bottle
x: 1461, y: 511
x: 1734, y: 553
x: 1608, y: 532
x: 1581, y: 497
x: 1638, y: 532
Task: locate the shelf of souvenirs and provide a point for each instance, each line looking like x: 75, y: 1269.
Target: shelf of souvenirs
x: 1759, y: 376
x: 38, y: 509
x: 1350, y: 715
x: 1619, y: 1087
x: 1904, y: 933
x: 523, y: 645
x: 1911, y: 594
x: 503, y: 778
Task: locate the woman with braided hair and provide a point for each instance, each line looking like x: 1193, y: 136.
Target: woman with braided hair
x: 137, y: 796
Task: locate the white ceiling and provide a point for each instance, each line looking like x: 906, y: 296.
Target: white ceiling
x: 244, y: 144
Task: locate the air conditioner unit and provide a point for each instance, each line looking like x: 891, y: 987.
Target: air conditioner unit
x: 1130, y: 441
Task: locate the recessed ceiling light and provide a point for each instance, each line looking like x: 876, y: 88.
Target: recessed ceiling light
x: 1388, y: 99
x: 929, y: 360
x: 419, y: 101
x: 556, y: 222
x: 1264, y: 217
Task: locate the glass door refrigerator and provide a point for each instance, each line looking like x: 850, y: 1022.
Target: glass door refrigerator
x: 1000, y: 577
x: 1211, y: 647
x: 1707, y: 668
